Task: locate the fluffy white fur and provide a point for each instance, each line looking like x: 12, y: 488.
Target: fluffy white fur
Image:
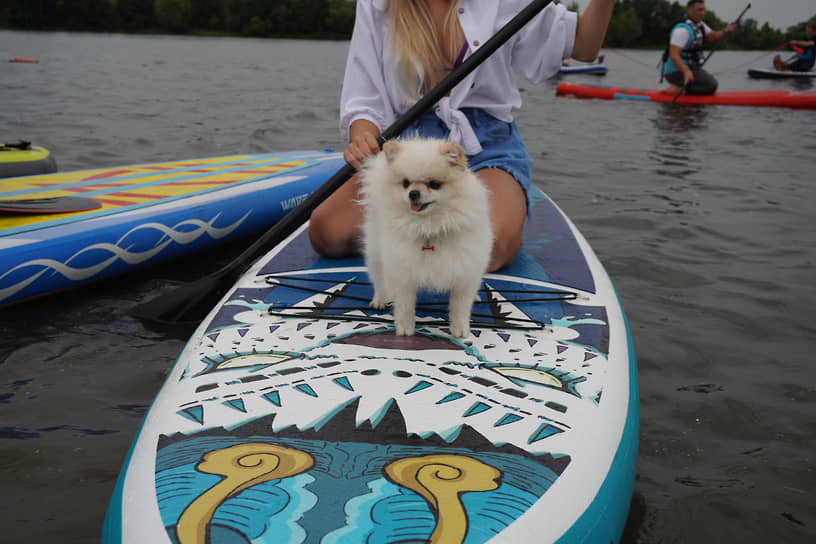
x: 419, y: 194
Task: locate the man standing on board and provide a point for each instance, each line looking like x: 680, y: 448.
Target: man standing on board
x: 682, y: 66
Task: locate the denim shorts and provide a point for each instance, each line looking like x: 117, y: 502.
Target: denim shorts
x: 502, y: 146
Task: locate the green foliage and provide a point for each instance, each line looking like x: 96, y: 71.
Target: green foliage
x: 173, y: 15
x: 100, y: 15
x: 660, y: 16
x: 647, y: 24
x: 264, y: 18
x: 625, y: 28
x: 135, y: 15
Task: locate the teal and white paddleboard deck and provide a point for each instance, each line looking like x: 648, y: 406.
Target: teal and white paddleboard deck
x: 295, y: 415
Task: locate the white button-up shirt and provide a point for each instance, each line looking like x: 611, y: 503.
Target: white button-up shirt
x: 371, y: 87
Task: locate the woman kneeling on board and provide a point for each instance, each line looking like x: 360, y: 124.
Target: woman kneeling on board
x: 400, y: 49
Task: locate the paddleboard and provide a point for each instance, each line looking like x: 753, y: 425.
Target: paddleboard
x: 294, y: 414
x: 597, y: 69
x: 143, y: 214
x: 771, y: 73
x: 776, y: 98
x: 24, y: 159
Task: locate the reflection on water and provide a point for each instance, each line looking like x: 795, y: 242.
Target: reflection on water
x: 672, y: 151
x: 674, y: 119
x: 803, y: 84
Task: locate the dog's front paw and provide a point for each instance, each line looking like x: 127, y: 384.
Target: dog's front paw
x: 378, y: 302
x: 460, y: 329
x: 404, y: 327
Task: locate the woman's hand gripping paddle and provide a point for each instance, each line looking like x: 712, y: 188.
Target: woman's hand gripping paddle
x: 189, y: 304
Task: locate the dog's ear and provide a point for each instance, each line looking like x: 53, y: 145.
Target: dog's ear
x: 391, y: 149
x: 455, y: 155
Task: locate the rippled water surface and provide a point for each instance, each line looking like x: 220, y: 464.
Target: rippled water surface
x: 703, y: 216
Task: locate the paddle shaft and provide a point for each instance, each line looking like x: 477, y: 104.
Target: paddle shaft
x: 187, y: 302
x: 683, y: 88
x: 719, y: 42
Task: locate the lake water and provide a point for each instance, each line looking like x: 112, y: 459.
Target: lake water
x: 703, y: 216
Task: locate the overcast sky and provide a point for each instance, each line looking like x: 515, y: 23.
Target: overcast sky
x: 780, y: 14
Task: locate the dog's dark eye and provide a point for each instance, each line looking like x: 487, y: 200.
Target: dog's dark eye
x: 406, y: 183
x: 433, y: 184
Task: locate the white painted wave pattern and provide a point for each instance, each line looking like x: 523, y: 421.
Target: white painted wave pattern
x: 111, y: 253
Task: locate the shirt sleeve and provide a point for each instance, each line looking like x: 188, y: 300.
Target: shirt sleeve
x: 680, y: 37
x: 543, y: 42
x: 364, y: 88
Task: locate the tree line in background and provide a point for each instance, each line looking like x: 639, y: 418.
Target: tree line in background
x: 331, y: 19
x: 635, y: 23
x: 647, y: 23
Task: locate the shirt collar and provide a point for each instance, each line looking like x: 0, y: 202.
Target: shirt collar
x: 475, y: 19
x: 472, y: 18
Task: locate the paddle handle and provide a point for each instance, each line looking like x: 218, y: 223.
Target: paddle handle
x: 718, y: 43
x: 681, y: 91
x: 294, y: 219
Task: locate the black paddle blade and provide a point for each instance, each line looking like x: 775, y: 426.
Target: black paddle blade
x: 58, y: 204
x: 191, y: 302
x: 183, y: 309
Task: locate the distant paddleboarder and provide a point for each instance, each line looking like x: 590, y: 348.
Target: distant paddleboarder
x: 805, y: 54
x: 682, y: 60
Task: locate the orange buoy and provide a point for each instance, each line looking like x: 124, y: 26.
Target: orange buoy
x: 25, y: 60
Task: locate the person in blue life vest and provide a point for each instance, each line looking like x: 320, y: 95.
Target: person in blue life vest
x: 805, y: 56
x: 682, y: 66
x: 400, y: 49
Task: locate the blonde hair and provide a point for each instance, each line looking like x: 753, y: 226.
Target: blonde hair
x: 420, y: 57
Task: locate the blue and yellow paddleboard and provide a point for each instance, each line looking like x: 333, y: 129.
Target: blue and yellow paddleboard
x: 144, y: 214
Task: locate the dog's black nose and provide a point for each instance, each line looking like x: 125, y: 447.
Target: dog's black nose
x: 414, y: 195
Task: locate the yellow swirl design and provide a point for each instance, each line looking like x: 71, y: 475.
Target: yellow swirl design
x: 440, y: 480
x: 242, y: 466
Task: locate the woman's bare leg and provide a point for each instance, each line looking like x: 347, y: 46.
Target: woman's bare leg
x: 334, y: 227
x: 508, y: 210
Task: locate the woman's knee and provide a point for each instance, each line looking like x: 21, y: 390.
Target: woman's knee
x: 506, y: 246
x: 334, y: 228
x: 508, y: 210
x: 320, y: 232
x: 330, y: 239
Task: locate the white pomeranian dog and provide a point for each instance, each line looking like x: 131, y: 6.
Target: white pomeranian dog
x: 427, y: 227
